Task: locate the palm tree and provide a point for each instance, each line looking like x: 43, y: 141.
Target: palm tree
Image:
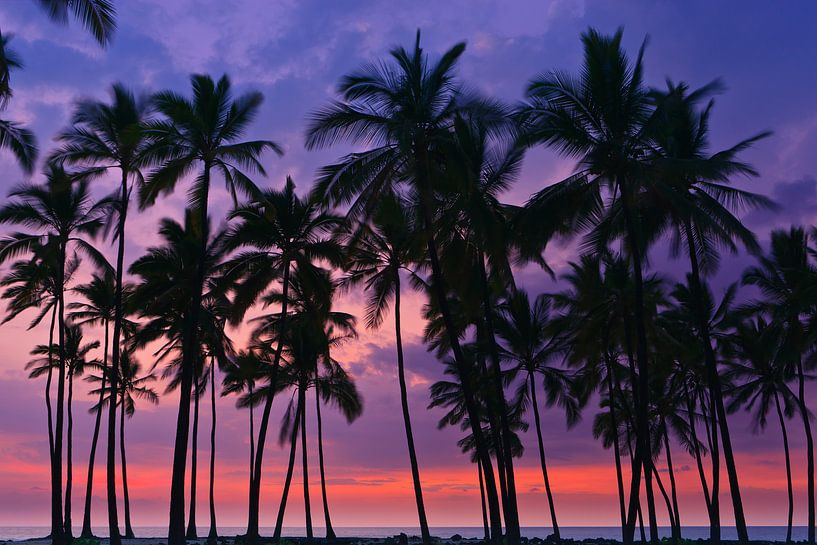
x: 97, y: 16
x: 200, y: 132
x: 698, y: 205
x: 761, y: 380
x: 380, y: 251
x: 241, y: 376
x: 598, y: 118
x: 13, y: 137
x: 278, y: 235
x: 60, y: 211
x: 531, y: 346
x: 404, y: 112
x: 102, y: 137
x: 788, y: 284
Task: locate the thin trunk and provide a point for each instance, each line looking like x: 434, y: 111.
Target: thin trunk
x: 401, y: 377
x: 710, y: 422
x: 330, y: 532
x: 717, y: 392
x: 667, y: 502
x: 697, y: 451
x: 650, y: 493
x: 510, y: 507
x: 194, y: 450
x: 255, y: 484
x: 125, y: 493
x: 305, y: 462
x: 58, y: 536
x: 641, y: 530
x: 87, y: 532
x: 616, y: 448
x: 542, y: 461
x: 116, y: 342
x: 673, y: 487
x: 252, y: 449
x: 69, y: 459
x: 293, y: 445
x: 212, y: 535
x: 487, y: 535
x: 48, y: 381
x: 441, y: 294
x: 804, y: 413
x: 789, y: 487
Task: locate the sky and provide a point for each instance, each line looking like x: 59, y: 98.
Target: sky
x: 294, y: 52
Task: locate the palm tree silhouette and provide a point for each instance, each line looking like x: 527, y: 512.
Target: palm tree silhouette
x: 14, y: 137
x: 97, y: 16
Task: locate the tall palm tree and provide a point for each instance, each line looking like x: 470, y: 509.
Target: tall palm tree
x: 403, y: 111
x: 598, y: 118
x: 761, y: 382
x: 14, y: 137
x: 787, y: 281
x: 241, y: 378
x: 60, y: 211
x: 380, y: 252
x: 532, y: 345
x: 692, y: 186
x: 97, y: 16
x: 105, y: 136
x: 277, y: 235
x: 202, y: 133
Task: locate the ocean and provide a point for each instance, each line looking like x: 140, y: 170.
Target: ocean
x: 760, y: 533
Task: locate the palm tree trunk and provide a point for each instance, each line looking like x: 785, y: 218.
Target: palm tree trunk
x: 510, y: 507
x: 401, y: 377
x: 541, y: 444
x: 710, y: 423
x: 212, y: 535
x: 673, y: 488
x: 293, y: 445
x: 305, y: 461
x: 116, y: 342
x: 804, y: 412
x: 697, y: 451
x: 48, y: 381
x: 69, y: 459
x: 789, y: 487
x: 717, y: 391
x: 330, y: 532
x: 441, y: 294
x: 616, y: 447
x: 57, y: 534
x: 482, y: 502
x: 125, y: 492
x: 252, y: 435
x: 667, y: 502
x: 642, y: 432
x: 194, y: 449
x: 255, y: 484
x: 87, y: 532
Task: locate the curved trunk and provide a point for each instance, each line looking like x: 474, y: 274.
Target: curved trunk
x: 482, y: 503
x: 69, y: 458
x: 330, y: 532
x: 49, y: 379
x: 616, y: 448
x: 125, y: 493
x: 293, y: 445
x: 804, y: 413
x: 670, y: 514
x: 212, y: 535
x: 710, y: 423
x: 305, y: 462
x: 440, y: 294
x: 789, y: 487
x: 194, y: 449
x: 673, y: 488
x: 116, y: 342
x: 542, y: 461
x: 57, y: 532
x: 401, y: 378
x: 717, y: 392
x: 89, y: 484
x: 697, y: 451
x: 255, y: 484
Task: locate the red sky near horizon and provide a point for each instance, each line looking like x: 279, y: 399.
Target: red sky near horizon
x: 294, y: 52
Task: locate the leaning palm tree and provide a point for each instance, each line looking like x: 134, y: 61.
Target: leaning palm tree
x: 277, y: 235
x: 240, y: 378
x: 533, y: 346
x: 14, y: 137
x: 403, y: 112
x: 97, y: 16
x: 598, y: 118
x: 61, y: 212
x: 761, y: 383
x: 787, y: 281
x: 380, y: 252
x: 105, y: 136
x: 202, y: 133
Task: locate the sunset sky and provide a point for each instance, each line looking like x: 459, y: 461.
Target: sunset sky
x: 294, y: 51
